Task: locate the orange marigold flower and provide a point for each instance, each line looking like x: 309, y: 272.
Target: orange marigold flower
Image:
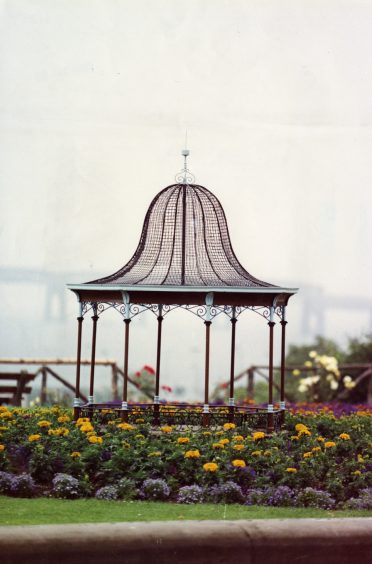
x: 344, y: 437
x: 258, y: 435
x: 75, y: 454
x: 210, y: 467
x: 291, y: 470
x: 2, y: 447
x: 33, y: 438
x: 218, y: 445
x: 166, y: 429
x: 192, y: 454
x: 238, y: 463
x: 229, y: 426
x: 183, y: 440
x: 224, y: 441
x: 81, y: 421
x: 63, y: 419
x: 95, y: 440
x: 316, y: 449
x: 256, y: 453
x: 329, y: 444
x: 125, y: 426
x: 86, y: 428
x: 320, y: 439
x: 238, y: 447
x: 307, y: 454
x: 44, y: 423
x: 238, y: 438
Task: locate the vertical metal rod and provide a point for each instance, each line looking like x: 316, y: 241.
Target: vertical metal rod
x: 114, y: 382
x: 157, y: 373
x: 183, y: 234
x: 43, y: 395
x: 270, y: 418
x: 250, y: 389
x: 232, y: 368
x: 206, y: 377
x: 80, y: 320
x: 282, y: 363
x: 93, y: 357
x: 126, y: 355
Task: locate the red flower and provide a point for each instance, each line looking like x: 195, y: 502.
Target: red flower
x: 224, y: 385
x: 166, y: 388
x: 138, y: 374
x: 149, y: 369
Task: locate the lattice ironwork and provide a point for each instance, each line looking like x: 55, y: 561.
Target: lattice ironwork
x: 184, y: 242
x: 187, y: 415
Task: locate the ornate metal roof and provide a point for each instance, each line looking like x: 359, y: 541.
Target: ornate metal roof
x: 184, y: 242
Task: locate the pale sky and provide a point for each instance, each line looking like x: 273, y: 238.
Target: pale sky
x: 276, y: 96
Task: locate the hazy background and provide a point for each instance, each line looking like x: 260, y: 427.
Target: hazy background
x: 95, y: 99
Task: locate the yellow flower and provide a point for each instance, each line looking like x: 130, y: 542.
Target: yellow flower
x: 207, y: 433
x: 183, y: 440
x: 238, y: 463
x: 2, y: 447
x: 320, y: 439
x: 301, y: 427
x: 224, y: 441
x: 238, y: 447
x: 75, y: 454
x: 304, y: 432
x: 139, y: 436
x: 295, y: 438
x: 291, y: 470
x: 307, y: 454
x: 95, y: 440
x: 125, y: 426
x: 258, y: 435
x: 360, y: 458
x: 329, y: 444
x: 81, y: 421
x: 267, y: 453
x: 229, y: 426
x: 238, y: 438
x: 219, y: 433
x: 140, y: 420
x: 210, y: 467
x: 344, y: 437
x: 218, y: 445
x: 296, y: 372
x: 316, y: 449
x: 313, y: 354
x: 357, y: 473
x: 5, y: 414
x: 166, y: 429
x: 308, y: 364
x: 256, y: 453
x: 44, y: 423
x: 192, y: 454
x: 154, y: 453
x: 33, y: 438
x: 125, y: 444
x: 63, y: 419
x: 86, y: 428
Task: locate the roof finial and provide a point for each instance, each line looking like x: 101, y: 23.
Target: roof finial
x: 185, y: 176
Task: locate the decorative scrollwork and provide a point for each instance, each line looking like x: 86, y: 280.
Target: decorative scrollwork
x: 185, y: 177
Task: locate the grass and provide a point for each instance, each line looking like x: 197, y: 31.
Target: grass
x: 40, y: 511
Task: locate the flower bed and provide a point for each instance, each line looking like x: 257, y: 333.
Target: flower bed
x: 318, y: 460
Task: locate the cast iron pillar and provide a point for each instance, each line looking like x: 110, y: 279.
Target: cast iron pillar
x: 157, y: 373
x: 80, y: 320
x: 270, y: 406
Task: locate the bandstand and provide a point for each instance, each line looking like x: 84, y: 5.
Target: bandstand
x: 185, y: 259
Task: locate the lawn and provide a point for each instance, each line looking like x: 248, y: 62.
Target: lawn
x: 40, y: 511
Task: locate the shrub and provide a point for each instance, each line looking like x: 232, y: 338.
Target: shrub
x: 191, y: 494
x: 5, y: 482
x: 256, y: 496
x: 364, y: 501
x: 154, y: 489
x: 282, y: 496
x: 23, y: 486
x: 309, y: 497
x: 226, y: 492
x: 66, y: 486
x: 126, y: 488
x: 108, y: 493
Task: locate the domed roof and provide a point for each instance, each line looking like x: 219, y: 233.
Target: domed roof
x: 184, y: 242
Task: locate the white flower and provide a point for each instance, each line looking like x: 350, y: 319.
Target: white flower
x: 313, y: 354
x: 334, y: 385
